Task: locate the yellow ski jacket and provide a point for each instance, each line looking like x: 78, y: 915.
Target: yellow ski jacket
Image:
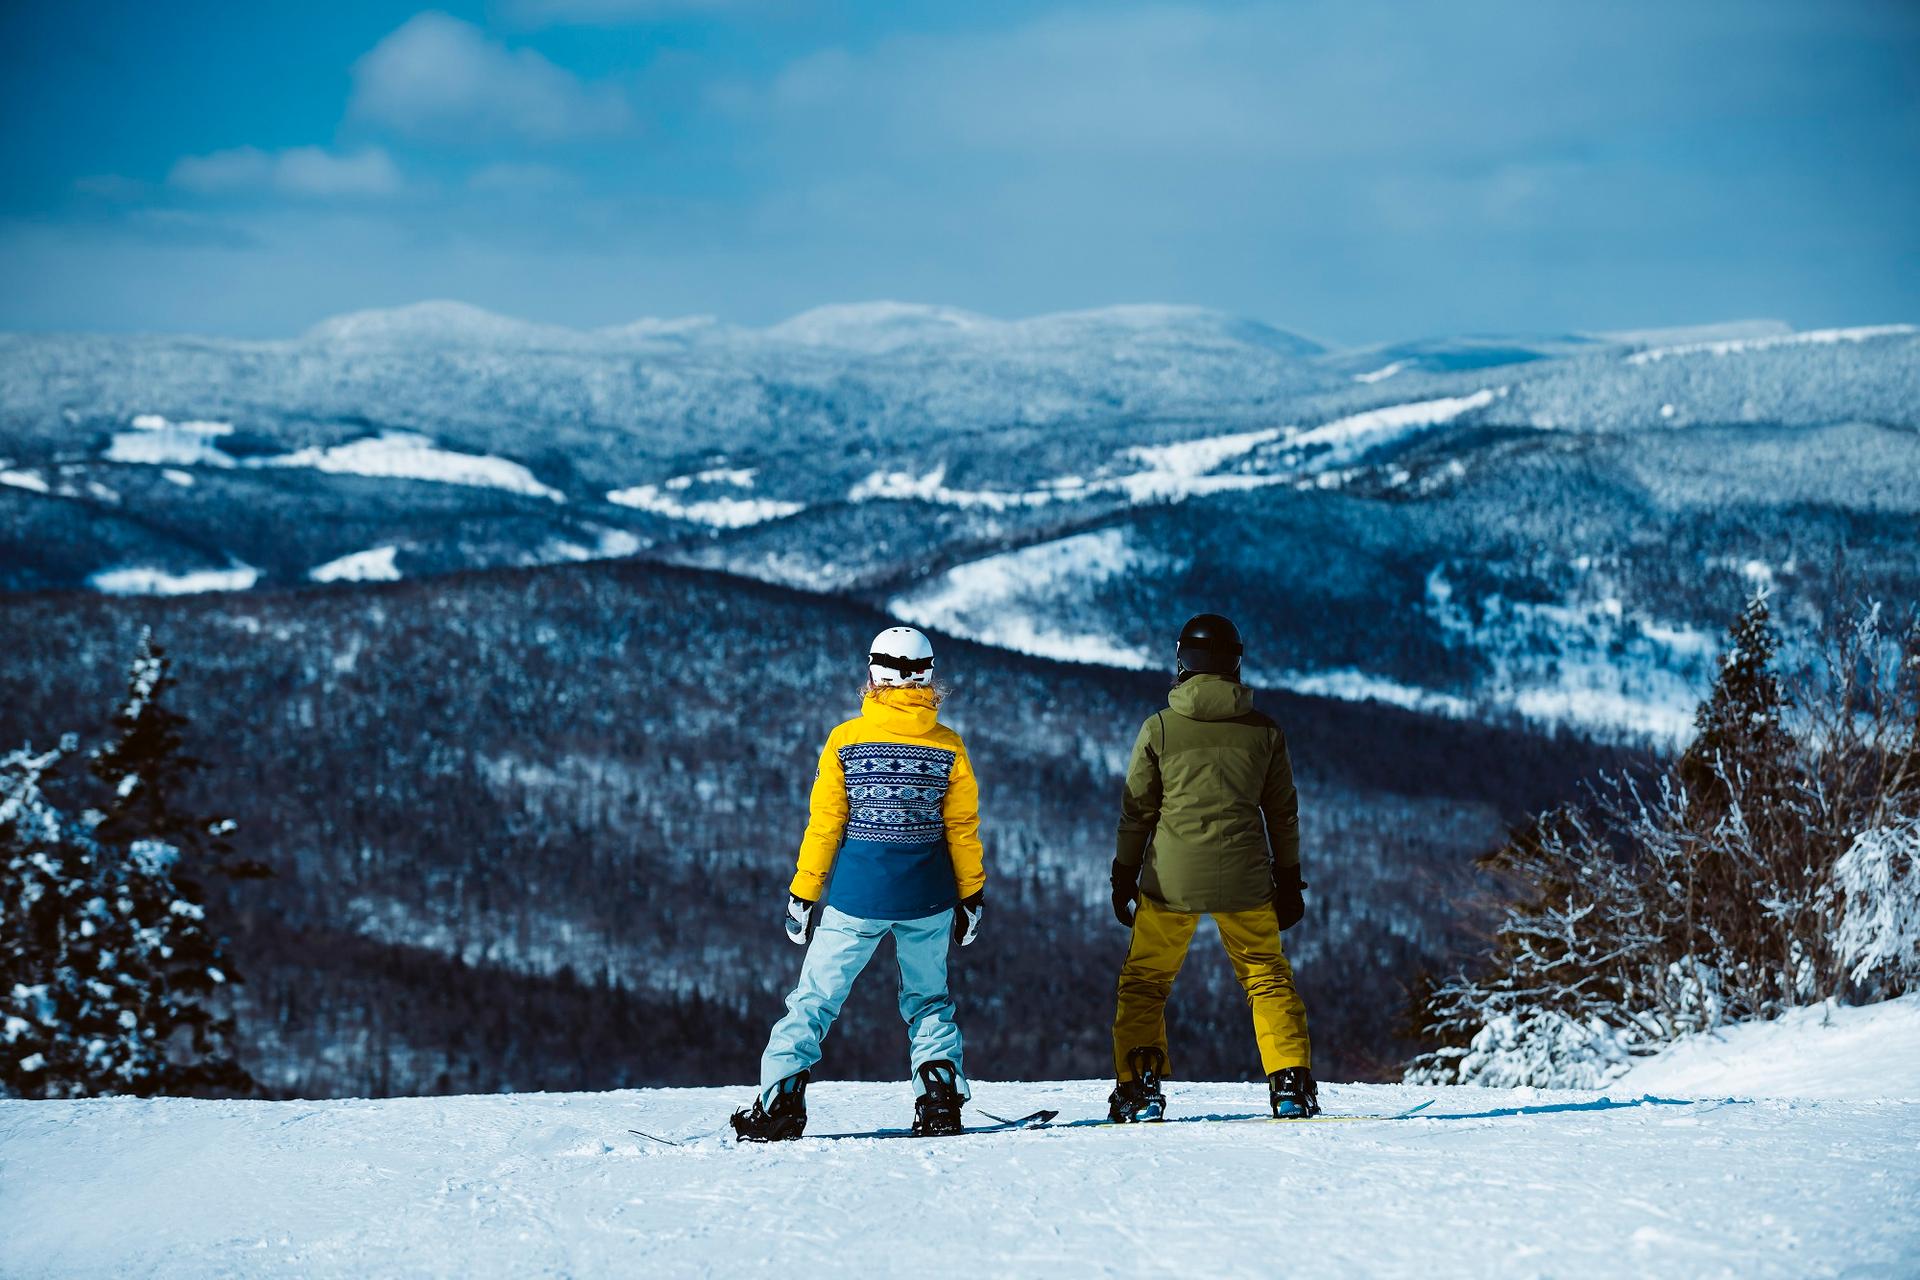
x: 893, y: 831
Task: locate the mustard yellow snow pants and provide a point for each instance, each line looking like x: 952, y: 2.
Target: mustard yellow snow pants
x: 1161, y: 936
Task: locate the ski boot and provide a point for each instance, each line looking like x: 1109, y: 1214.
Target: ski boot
x: 937, y: 1110
x: 1139, y: 1100
x: 785, y: 1119
x: 1293, y: 1094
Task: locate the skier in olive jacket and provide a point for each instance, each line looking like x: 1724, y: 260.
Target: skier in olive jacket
x: 1209, y: 825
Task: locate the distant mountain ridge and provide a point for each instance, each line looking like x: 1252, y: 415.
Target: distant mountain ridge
x: 879, y: 326
x: 871, y: 328
x: 1542, y: 525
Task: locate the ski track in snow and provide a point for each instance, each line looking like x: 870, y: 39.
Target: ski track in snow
x: 720, y: 512
x: 1586, y: 663
x: 151, y: 580
x: 1501, y: 1183
x: 28, y: 480
x: 1809, y: 337
x: 1191, y: 468
x: 1350, y: 438
x: 153, y: 440
x: 373, y: 565
x: 1350, y: 685
x: 404, y: 455
x: 990, y: 600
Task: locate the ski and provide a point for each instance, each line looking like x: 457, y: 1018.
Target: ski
x: 1037, y: 1120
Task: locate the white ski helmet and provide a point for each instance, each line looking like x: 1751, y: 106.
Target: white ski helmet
x: 900, y: 656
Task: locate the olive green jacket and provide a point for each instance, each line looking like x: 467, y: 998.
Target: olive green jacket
x: 1210, y: 805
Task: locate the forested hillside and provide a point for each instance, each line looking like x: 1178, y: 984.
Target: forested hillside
x: 532, y: 828
x: 511, y: 645
x: 1553, y: 528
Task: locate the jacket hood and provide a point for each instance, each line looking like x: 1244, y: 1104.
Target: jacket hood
x: 903, y: 710
x: 1210, y: 697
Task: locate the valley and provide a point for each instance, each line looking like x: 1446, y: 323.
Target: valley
x: 509, y: 646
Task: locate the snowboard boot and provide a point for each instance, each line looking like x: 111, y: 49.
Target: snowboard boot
x: 785, y: 1119
x: 1293, y: 1094
x: 937, y: 1110
x: 1139, y: 1100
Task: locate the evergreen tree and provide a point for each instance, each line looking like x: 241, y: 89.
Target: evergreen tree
x: 1741, y: 726
x: 1904, y: 764
x: 110, y: 981
x: 145, y: 768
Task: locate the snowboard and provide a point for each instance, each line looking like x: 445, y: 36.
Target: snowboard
x: 1037, y: 1120
x: 1043, y: 1119
x: 1409, y: 1113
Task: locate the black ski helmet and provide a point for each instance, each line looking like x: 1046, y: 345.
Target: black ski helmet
x: 1209, y: 644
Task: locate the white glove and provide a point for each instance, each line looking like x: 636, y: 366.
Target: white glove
x: 966, y: 919
x: 800, y: 921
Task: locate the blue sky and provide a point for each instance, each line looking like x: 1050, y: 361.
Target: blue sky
x: 1354, y: 170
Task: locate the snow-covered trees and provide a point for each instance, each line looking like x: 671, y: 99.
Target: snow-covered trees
x: 1771, y: 866
x: 144, y: 768
x: 110, y: 979
x: 1878, y: 880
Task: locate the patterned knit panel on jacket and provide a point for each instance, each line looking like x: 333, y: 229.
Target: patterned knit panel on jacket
x: 895, y: 791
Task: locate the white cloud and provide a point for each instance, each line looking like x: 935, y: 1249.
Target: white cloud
x: 442, y: 79
x: 1325, y: 80
x: 511, y: 178
x: 312, y: 172
x: 236, y: 169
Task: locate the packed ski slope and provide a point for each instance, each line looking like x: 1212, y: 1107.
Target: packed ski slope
x: 1484, y: 1183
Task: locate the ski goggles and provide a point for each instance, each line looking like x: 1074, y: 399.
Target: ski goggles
x: 905, y: 666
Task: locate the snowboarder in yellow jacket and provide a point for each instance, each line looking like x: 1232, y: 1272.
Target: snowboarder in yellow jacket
x: 1209, y: 825
x: 892, y: 847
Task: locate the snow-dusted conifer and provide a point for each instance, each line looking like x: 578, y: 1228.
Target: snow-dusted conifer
x: 112, y: 981
x: 1741, y: 727
x: 78, y: 940
x: 145, y: 768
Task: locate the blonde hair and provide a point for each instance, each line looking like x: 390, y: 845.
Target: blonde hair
x: 937, y: 690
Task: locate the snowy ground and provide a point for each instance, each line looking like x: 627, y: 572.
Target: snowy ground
x: 1866, y: 1053
x: 1494, y: 1183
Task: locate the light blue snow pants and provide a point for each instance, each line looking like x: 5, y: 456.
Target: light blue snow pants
x: 841, y: 946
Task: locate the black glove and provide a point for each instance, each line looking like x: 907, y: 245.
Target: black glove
x: 800, y: 920
x: 1288, y: 905
x: 1126, y: 891
x: 966, y: 918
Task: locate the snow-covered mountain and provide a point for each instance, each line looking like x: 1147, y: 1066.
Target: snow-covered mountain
x: 1483, y: 525
x: 435, y: 324
x: 1485, y: 1183
x: 837, y: 330
x: 875, y: 327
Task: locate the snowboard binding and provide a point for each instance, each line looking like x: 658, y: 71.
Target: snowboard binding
x: 1292, y: 1094
x: 1140, y: 1100
x: 937, y: 1110
x: 785, y: 1120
